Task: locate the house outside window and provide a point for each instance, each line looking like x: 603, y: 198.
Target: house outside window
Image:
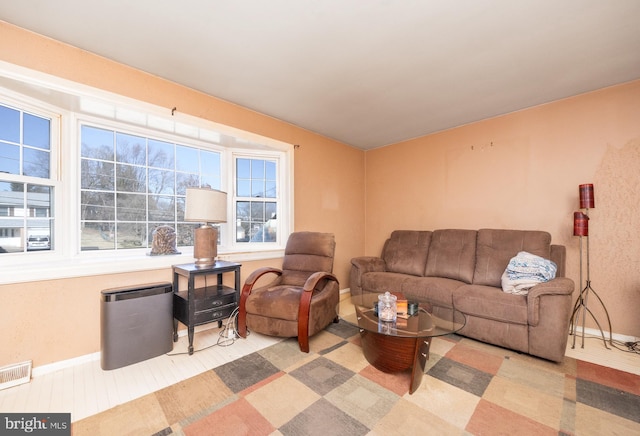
x: 26, y: 180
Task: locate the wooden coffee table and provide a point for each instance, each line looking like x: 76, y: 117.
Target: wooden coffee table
x: 403, y: 344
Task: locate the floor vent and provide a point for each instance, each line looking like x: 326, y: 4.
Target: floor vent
x: 14, y: 375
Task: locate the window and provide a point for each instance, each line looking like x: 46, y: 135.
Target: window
x: 87, y: 175
x: 131, y: 184
x: 256, y: 200
x: 26, y: 218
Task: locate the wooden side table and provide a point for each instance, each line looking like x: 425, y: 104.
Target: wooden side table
x: 212, y: 302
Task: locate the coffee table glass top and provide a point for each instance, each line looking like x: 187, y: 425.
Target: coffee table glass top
x: 430, y: 321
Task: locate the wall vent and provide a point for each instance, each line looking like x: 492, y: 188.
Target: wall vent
x: 14, y: 375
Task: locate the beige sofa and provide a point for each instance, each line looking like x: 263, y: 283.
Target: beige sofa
x: 463, y: 269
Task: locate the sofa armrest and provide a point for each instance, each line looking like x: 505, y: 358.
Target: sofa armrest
x: 368, y: 264
x: 556, y: 287
x: 360, y: 266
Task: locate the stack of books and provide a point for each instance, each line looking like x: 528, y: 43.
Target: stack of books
x: 401, y: 305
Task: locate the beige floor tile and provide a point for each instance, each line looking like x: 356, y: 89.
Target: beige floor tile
x: 526, y: 401
x: 550, y: 382
x: 350, y: 356
x: 441, y: 346
x: 406, y: 417
x: 323, y: 340
x: 192, y: 395
x: 590, y: 421
x: 448, y: 402
x: 141, y: 416
x: 275, y: 400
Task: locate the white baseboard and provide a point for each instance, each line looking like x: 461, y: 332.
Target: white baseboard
x: 68, y: 363
x: 596, y: 333
x: 62, y: 364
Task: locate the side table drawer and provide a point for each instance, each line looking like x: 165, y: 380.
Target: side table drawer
x: 207, y: 298
x: 216, y: 314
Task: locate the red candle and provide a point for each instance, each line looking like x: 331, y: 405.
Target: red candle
x: 586, y: 196
x: 580, y: 224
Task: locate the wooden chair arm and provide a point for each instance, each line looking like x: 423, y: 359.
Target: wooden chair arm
x: 246, y: 291
x: 305, y: 306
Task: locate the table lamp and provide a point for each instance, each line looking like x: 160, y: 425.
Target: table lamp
x: 206, y: 206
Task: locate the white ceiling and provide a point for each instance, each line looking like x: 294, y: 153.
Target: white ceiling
x: 365, y: 72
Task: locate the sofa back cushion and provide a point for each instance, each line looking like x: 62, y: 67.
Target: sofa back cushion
x: 497, y: 247
x: 452, y: 254
x: 406, y: 251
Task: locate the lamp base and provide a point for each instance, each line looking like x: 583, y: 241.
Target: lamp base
x: 205, y: 245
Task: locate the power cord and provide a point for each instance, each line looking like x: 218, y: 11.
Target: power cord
x: 632, y: 347
x: 625, y: 347
x: 226, y: 337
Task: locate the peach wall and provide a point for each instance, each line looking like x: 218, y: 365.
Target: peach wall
x: 517, y: 171
x: 522, y: 171
x: 59, y: 319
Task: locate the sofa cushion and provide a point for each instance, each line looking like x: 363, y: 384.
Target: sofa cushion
x: 496, y: 247
x: 436, y: 290
x: 452, y: 254
x: 406, y: 251
x: 490, y: 303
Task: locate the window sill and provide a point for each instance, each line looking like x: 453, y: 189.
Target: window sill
x: 100, y: 265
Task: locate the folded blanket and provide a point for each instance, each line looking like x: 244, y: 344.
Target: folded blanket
x: 525, y: 271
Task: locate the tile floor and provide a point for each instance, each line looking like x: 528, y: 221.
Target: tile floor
x: 85, y: 389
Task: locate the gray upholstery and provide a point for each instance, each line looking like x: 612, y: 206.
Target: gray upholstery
x: 463, y: 269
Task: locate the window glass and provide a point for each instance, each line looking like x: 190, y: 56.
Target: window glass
x: 9, y: 124
x: 97, y: 206
x: 161, y: 154
x: 97, y: 174
x: 126, y: 194
x: 26, y: 221
x: 26, y: 210
x: 256, y: 220
x: 97, y: 143
x: 9, y: 158
x: 130, y: 178
x: 37, y: 132
x: 34, y: 143
x: 131, y: 149
x: 187, y: 159
x: 36, y: 163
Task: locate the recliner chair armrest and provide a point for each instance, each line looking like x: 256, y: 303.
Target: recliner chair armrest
x: 557, y: 286
x: 305, y: 305
x: 246, y: 290
x: 255, y: 275
x: 315, y: 278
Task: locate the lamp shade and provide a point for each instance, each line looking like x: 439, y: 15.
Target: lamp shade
x: 586, y: 196
x: 580, y: 224
x: 205, y: 205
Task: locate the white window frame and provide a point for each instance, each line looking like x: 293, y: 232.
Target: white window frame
x: 78, y: 103
x: 55, y: 115
x: 282, y: 182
